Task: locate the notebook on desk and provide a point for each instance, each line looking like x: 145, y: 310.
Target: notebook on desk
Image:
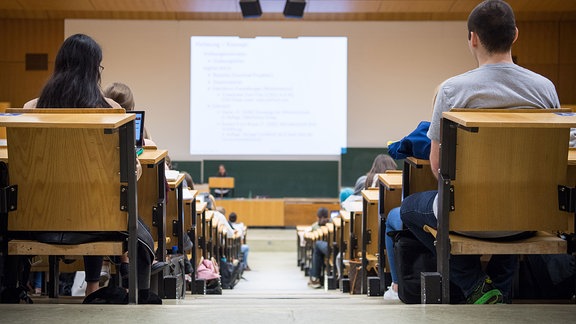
x: 139, y: 131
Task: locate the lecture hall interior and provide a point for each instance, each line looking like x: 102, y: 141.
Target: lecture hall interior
x: 328, y: 85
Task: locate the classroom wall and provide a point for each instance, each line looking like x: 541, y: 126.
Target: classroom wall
x: 393, y: 69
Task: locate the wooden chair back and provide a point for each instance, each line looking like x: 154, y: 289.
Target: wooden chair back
x: 507, y: 179
x: 68, y: 179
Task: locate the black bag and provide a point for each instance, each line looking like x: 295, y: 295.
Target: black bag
x: 230, y: 274
x: 412, y: 258
x: 213, y: 287
x: 175, y: 281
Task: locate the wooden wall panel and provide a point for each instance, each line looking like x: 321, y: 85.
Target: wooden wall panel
x: 18, y: 37
x: 566, y: 85
x: 567, y: 63
x: 537, y: 43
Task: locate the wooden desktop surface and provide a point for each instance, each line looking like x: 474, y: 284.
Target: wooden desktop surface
x: 66, y: 120
x: 370, y: 195
x: 152, y: 156
x: 512, y: 119
x: 391, y: 180
x: 173, y: 184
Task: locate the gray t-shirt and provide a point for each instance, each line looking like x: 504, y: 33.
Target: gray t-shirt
x: 502, y: 86
x: 498, y: 86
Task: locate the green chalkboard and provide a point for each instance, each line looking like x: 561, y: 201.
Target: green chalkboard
x: 192, y: 167
x: 278, y: 179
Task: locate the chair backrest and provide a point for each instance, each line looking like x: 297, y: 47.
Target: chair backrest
x: 507, y: 174
x: 67, y: 171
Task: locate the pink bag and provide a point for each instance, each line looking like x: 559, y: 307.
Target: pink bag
x: 207, y: 270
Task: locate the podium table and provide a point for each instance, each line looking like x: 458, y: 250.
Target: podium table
x: 221, y: 183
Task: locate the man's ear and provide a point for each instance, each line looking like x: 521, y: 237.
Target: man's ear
x: 516, y: 36
x: 473, y: 39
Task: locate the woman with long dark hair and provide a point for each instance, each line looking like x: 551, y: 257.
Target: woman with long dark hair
x: 75, y: 83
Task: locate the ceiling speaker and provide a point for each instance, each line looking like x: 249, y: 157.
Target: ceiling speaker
x: 294, y: 8
x: 250, y: 8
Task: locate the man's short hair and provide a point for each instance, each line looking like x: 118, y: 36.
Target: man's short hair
x: 232, y: 217
x: 494, y: 23
x: 322, y: 212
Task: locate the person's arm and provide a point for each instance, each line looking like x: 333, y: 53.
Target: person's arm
x: 435, y: 157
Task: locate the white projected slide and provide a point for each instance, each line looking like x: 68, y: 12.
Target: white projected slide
x: 268, y: 96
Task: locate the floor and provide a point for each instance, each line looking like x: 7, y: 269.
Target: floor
x: 276, y: 291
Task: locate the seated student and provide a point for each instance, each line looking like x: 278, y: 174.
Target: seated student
x: 497, y: 82
x: 320, y: 249
x: 393, y: 223
x: 381, y: 164
x: 122, y: 94
x: 75, y: 83
x: 241, y: 229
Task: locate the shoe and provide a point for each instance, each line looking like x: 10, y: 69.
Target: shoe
x: 104, y: 275
x: 314, y: 283
x: 390, y: 294
x: 247, y: 268
x: 485, y: 293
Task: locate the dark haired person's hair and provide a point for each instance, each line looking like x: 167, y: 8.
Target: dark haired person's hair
x: 75, y: 82
x: 232, y: 217
x: 494, y: 23
x: 322, y: 212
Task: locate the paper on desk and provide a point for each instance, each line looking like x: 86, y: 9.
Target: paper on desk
x: 187, y: 194
x: 171, y: 175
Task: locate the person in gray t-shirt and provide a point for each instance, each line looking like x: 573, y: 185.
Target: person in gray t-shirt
x: 497, y: 83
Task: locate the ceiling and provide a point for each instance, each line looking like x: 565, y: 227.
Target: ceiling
x: 315, y: 9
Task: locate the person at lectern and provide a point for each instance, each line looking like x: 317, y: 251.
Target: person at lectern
x: 222, y: 192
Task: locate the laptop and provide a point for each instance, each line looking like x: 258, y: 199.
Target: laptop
x: 139, y: 131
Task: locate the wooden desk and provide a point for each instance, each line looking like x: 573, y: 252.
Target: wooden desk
x: 477, y: 196
x: 256, y: 212
x: 303, y: 210
x: 175, y: 213
x: 417, y: 176
x: 370, y: 222
x: 190, y: 225
x: 389, y: 196
x: 221, y: 183
x: 152, y: 202
x: 353, y: 213
x: 68, y: 131
x: 200, y: 223
x: 3, y: 106
x: 4, y: 154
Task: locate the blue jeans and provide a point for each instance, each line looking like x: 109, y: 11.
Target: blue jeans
x: 393, y: 223
x: 244, y: 249
x: 465, y: 270
x: 318, y: 254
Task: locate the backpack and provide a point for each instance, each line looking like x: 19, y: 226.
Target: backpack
x: 231, y: 273
x: 412, y: 258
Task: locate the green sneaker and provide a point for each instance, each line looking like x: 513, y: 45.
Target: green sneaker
x: 485, y: 293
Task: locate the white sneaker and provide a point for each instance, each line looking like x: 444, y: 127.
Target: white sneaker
x: 104, y: 275
x: 390, y: 294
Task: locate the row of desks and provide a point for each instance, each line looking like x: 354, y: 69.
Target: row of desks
x: 361, y: 225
